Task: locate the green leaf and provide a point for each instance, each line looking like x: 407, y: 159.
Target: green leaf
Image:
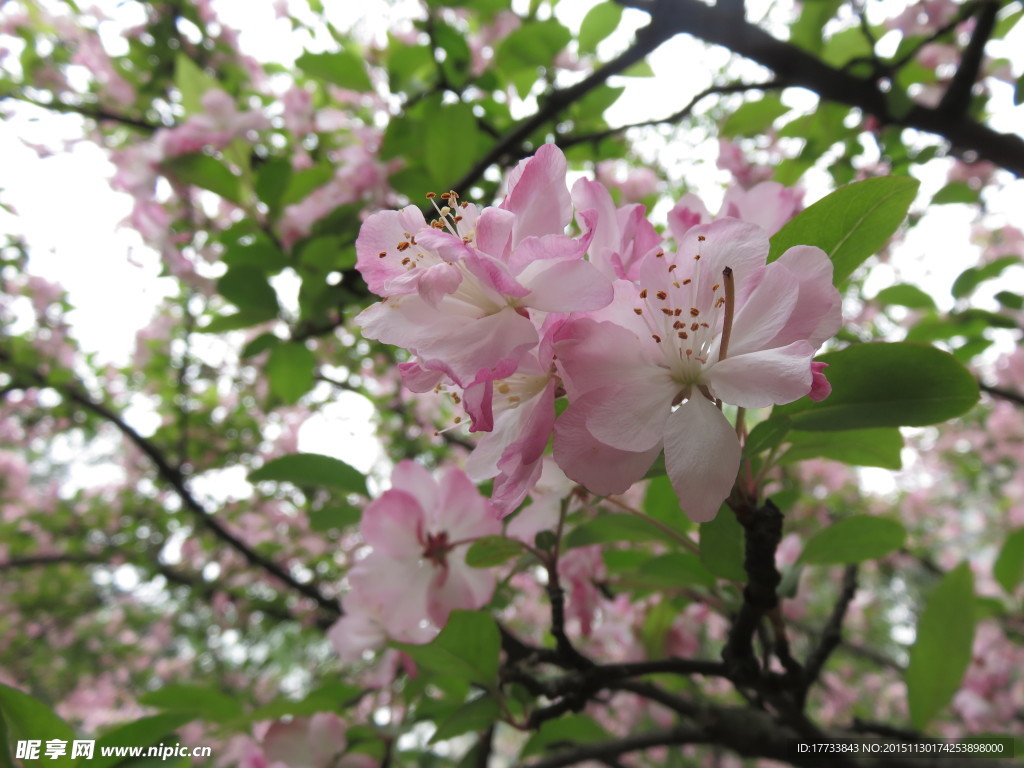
x: 261, y: 343
x: 24, y: 718
x: 491, y: 551
x: 805, y: 31
x: 478, y: 714
x: 195, y: 700
x: 563, y: 732
x: 766, y: 435
x: 301, y: 183
x: 455, y: 127
x: 955, y: 192
x: 850, y: 224
x: 721, y: 546
x: 192, y: 82
x: 942, y: 651
x: 271, y: 182
x: 290, y: 369
x: 905, y: 295
x: 247, y: 288
x: 259, y: 253
x: 467, y: 648
x: 1010, y: 300
x: 600, y: 21
x: 208, y: 173
x: 674, y: 570
x: 343, y: 68
x: 660, y: 502
x: 754, y: 117
x: 333, y: 518
x: 1009, y: 566
x: 234, y: 321
x: 860, y: 447
x: 311, y: 469
x: 972, y: 277
x: 144, y: 732
x: 642, y: 68
x: 330, y: 697
x: 888, y: 385
x: 853, y: 540
x: 614, y: 528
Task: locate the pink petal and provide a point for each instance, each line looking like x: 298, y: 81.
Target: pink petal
x: 417, y: 378
x: 764, y: 313
x: 818, y: 315
x: 381, y: 233
x: 467, y: 347
x: 820, y: 386
x: 689, y: 212
x: 598, y: 467
x: 566, y: 286
x: 494, y: 232
x: 461, y: 510
x: 437, y: 281
x: 760, y: 379
x: 632, y: 418
x: 702, y: 457
x: 415, y: 479
x: 393, y: 524
x: 458, y: 587
x: 726, y: 243
x: 478, y: 397
x: 538, y: 195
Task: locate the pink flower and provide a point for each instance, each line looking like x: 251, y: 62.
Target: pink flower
x: 619, y: 238
x: 317, y: 741
x: 417, y: 572
x: 458, y: 293
x: 644, y: 374
x: 217, y: 125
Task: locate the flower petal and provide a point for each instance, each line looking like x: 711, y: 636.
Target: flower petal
x: 393, y: 525
x: 702, y: 457
x: 760, y: 379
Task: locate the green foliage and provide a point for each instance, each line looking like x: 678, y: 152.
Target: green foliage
x: 195, y: 700
x: 754, y: 117
x: 209, y: 173
x: 942, y: 651
x: 853, y: 540
x: 491, y: 551
x: 290, y: 369
x: 1009, y: 566
x: 466, y: 649
x: 342, y: 68
x: 721, y: 546
x: 311, y: 470
x: 561, y: 733
x: 612, y: 528
x: 600, y: 21
x: 22, y: 718
x: 145, y: 732
x: 851, y: 223
x: 905, y: 295
x: 888, y: 385
x: 860, y: 447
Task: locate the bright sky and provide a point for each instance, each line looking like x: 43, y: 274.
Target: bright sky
x: 71, y: 217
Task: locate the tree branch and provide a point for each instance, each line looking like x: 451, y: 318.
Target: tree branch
x: 172, y: 477
x: 957, y: 98
x: 832, y: 635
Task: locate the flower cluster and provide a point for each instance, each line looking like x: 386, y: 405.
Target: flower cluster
x: 416, y: 574
x: 506, y: 312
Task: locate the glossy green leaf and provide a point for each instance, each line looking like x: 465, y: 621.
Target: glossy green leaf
x: 942, y: 650
x: 195, y: 700
x: 491, y: 551
x: 972, y: 277
x: 290, y: 369
x: 888, y: 385
x: 853, y: 540
x: 879, y: 447
x: 208, y: 173
x: 475, y: 715
x: 766, y: 435
x: 754, y: 117
x: 1009, y: 566
x: 467, y: 648
x: 563, y: 732
x: 955, y: 192
x: 721, y: 546
x: 614, y: 528
x: 311, y: 469
x: 850, y: 224
x: 674, y: 570
x: 342, y: 68
x: 333, y: 518
x: 247, y: 288
x: 453, y: 125
x: 192, y: 82
x: 24, y: 718
x: 600, y: 21
x: 905, y: 295
x: 145, y: 732
x: 329, y: 697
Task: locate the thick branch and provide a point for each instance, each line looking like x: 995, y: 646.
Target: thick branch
x: 803, y: 69
x: 172, y: 477
x: 957, y: 98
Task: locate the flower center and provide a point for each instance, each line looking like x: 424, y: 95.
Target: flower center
x: 435, y: 549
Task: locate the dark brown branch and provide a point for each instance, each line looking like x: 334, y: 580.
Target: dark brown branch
x: 1005, y: 394
x: 86, y: 110
x: 678, y: 115
x: 173, y: 477
x: 832, y: 635
x: 957, y: 98
x: 510, y: 146
x: 803, y: 69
